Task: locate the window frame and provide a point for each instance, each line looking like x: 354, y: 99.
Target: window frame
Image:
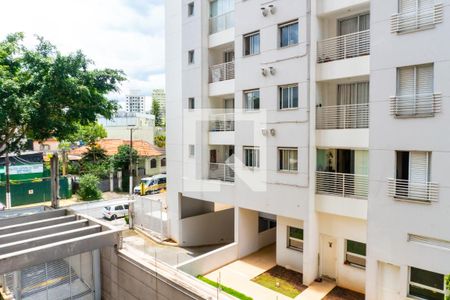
x: 153, y: 163
x: 280, y: 96
x: 280, y: 160
x: 191, y: 150
x: 358, y: 255
x: 191, y: 57
x: 191, y: 103
x: 423, y: 286
x: 284, y: 25
x: 249, y: 35
x: 289, y: 239
x: 191, y: 9
x: 245, y: 103
x: 256, y: 157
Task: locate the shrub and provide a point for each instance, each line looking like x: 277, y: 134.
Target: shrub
x: 127, y: 219
x: 447, y: 283
x: 89, y: 187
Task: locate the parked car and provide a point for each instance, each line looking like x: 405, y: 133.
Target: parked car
x: 152, y: 184
x: 2, y: 207
x: 113, y: 212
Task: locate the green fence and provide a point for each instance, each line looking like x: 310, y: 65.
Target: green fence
x: 28, y: 192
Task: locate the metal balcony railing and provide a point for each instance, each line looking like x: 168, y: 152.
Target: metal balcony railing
x: 343, y: 116
x: 221, y: 22
x: 419, y: 105
x: 221, y: 72
x: 416, y: 191
x: 221, y: 122
x: 221, y: 171
x: 344, y: 46
x: 342, y: 184
x: 417, y: 19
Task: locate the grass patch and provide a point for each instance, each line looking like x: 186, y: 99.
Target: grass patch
x: 226, y: 289
x: 281, y: 280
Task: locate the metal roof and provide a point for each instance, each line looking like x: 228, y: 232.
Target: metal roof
x: 31, y: 239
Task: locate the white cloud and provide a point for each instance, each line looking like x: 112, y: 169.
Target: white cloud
x: 121, y: 34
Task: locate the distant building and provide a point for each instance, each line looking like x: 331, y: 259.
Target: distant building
x: 159, y: 95
x: 119, y: 126
x: 138, y: 103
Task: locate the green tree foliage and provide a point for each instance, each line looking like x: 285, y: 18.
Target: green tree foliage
x: 447, y: 286
x: 89, y: 134
x: 89, y: 187
x: 156, y: 111
x: 94, y: 153
x: 160, y: 141
x: 121, y: 160
x: 44, y: 93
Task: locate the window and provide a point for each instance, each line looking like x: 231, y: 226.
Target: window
x: 295, y: 238
x: 191, y: 150
x: 415, y: 15
x: 265, y: 224
x: 426, y: 284
x: 191, y: 103
x: 163, y: 162
x: 355, y: 253
x: 288, y: 34
x: 153, y: 163
x: 288, y: 159
x: 415, y: 91
x: 251, y: 157
x: 190, y: 9
x: 288, y: 96
x: 412, y: 175
x: 251, y: 43
x: 251, y: 100
x: 191, y: 56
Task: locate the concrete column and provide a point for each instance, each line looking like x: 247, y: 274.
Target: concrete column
x: 111, y: 181
x: 248, y: 232
x: 119, y: 179
x: 96, y: 270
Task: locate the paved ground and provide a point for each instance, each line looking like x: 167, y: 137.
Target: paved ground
x: 171, y: 255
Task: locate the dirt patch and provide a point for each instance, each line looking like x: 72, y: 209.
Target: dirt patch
x: 339, y: 293
x: 282, y: 280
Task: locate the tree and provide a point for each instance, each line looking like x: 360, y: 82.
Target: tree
x: 156, y: 111
x: 160, y: 141
x: 89, y: 134
x: 44, y: 93
x: 121, y: 160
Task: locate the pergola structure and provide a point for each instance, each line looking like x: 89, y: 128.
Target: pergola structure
x: 52, y: 254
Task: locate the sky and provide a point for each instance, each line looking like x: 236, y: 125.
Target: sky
x: 118, y: 34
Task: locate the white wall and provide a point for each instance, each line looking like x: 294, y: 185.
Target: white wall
x: 288, y: 258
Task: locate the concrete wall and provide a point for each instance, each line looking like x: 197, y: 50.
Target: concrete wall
x: 210, y: 261
x: 192, y: 207
x: 288, y: 258
x: 208, y: 229
x: 125, y: 278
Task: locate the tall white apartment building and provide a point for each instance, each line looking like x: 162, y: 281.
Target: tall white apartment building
x: 136, y: 103
x: 159, y: 95
x: 319, y: 125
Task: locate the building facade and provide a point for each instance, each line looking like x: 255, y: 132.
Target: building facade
x: 159, y: 95
x: 319, y: 124
x: 136, y: 103
x: 119, y: 126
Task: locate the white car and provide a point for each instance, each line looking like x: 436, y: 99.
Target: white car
x: 113, y: 212
x: 2, y: 207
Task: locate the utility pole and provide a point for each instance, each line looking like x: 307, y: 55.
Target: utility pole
x: 131, y: 162
x: 64, y: 162
x: 54, y: 168
x: 8, y: 183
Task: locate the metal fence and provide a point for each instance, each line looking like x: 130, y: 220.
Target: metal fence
x: 150, y: 215
x: 221, y: 72
x: 68, y: 278
x: 221, y: 171
x: 342, y: 184
x: 417, y: 19
x: 344, y: 46
x: 416, y: 191
x: 419, y: 105
x: 343, y: 116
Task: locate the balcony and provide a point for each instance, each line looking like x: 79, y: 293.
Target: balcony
x: 420, y: 105
x: 221, y: 122
x: 414, y: 191
x: 350, y: 116
x: 221, y: 171
x: 221, y: 72
x: 342, y: 184
x: 221, y: 22
x: 424, y: 18
x: 344, y: 47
